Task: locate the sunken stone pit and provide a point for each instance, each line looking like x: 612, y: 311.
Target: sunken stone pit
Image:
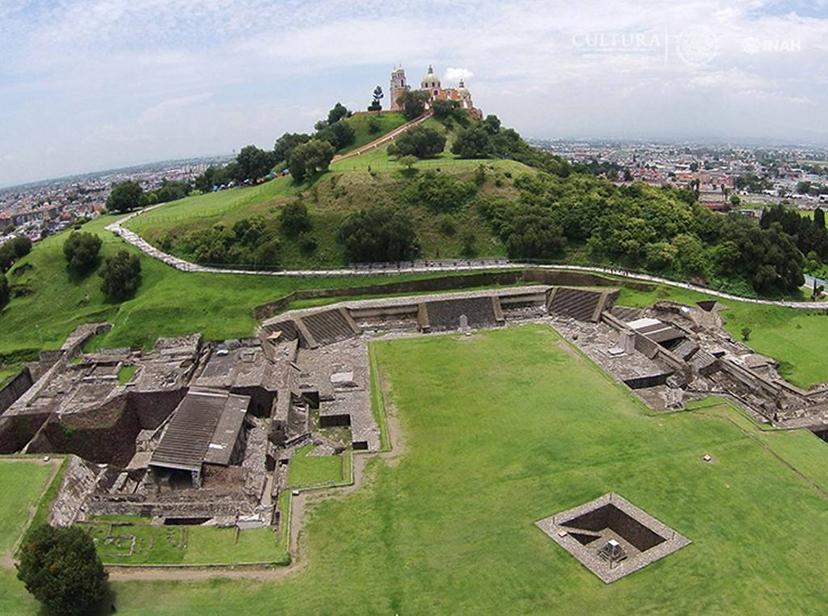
x: 612, y: 537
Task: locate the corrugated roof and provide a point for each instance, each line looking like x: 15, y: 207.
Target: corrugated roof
x: 194, y: 426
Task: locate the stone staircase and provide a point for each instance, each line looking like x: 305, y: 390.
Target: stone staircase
x: 580, y: 304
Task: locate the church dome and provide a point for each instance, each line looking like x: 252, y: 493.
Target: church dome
x: 430, y: 80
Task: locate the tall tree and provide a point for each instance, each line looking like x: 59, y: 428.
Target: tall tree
x: 819, y: 218
x: 121, y: 276
x: 376, y: 104
x: 61, y: 568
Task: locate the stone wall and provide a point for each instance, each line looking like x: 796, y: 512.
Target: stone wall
x: 15, y: 388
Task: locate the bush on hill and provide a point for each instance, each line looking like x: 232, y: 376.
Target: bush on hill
x: 440, y: 192
x: 379, y: 234
x: 13, y: 250
x: 121, y: 276
x: 642, y: 226
x: 81, y: 251
x: 285, y: 144
x: 253, y: 163
x: 61, y: 568
x: 294, y: 219
x: 5, y: 294
x: 339, y: 134
x: 419, y: 141
x: 412, y: 103
x: 339, y: 112
x: 308, y: 159
x: 473, y: 142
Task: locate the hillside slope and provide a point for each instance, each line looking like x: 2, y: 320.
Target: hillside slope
x: 359, y: 182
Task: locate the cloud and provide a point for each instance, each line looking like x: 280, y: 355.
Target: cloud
x: 156, y: 78
x: 454, y: 75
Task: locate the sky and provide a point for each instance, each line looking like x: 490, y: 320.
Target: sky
x: 88, y: 85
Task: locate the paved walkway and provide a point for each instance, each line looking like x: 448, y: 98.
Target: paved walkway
x: 422, y: 267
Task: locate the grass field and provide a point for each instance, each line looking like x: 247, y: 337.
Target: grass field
x: 509, y: 426
x: 135, y: 542
x: 305, y: 470
x: 386, y: 122
x: 21, y: 485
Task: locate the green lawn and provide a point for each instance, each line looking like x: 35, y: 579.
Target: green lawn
x: 386, y: 122
x: 305, y: 470
x: 21, y: 484
x: 140, y: 543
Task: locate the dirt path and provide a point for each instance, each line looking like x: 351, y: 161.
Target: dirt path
x: 299, y: 504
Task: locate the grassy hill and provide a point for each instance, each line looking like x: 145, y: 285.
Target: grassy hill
x: 351, y: 184
x: 370, y: 126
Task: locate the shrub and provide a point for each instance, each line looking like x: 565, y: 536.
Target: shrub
x: 61, y: 568
x: 439, y: 192
x: 308, y: 159
x: 81, y: 251
x: 294, y: 219
x: 121, y: 276
x: 420, y: 141
x: 13, y: 250
x: 473, y: 142
x: 4, y: 291
x: 379, y: 234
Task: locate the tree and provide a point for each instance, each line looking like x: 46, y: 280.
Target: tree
x: 439, y: 192
x: 534, y: 235
x: 5, y: 294
x: 473, y: 142
x: 338, y: 134
x: 492, y: 124
x: 121, y: 276
x: 294, y: 219
x: 125, y: 196
x: 13, y: 250
x: 408, y: 162
x: 254, y: 163
x: 338, y: 112
x: 376, y: 105
x: 61, y: 568
x: 444, y: 108
x: 746, y: 331
x: 379, y: 234
x: 285, y: 144
x: 819, y: 218
x: 420, y: 141
x: 81, y: 251
x: 310, y: 158
x: 735, y: 200
x: 412, y: 103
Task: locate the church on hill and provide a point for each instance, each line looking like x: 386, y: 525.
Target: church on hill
x: 430, y: 84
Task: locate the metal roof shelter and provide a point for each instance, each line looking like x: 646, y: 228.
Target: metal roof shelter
x: 203, y: 429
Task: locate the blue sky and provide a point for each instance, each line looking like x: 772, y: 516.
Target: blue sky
x: 94, y: 84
